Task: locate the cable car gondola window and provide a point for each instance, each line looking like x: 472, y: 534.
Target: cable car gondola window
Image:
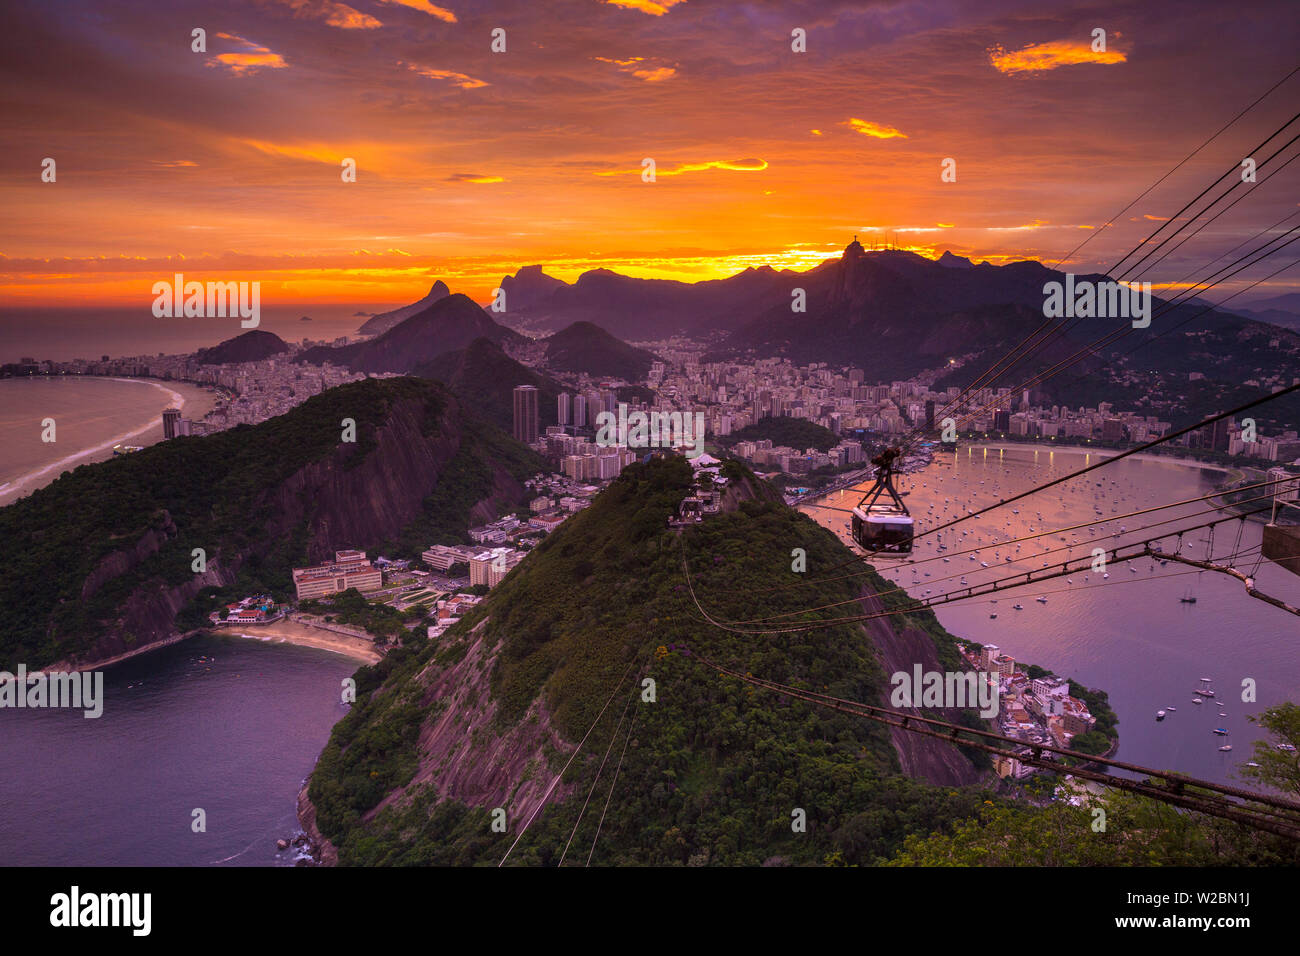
x: 883, y: 526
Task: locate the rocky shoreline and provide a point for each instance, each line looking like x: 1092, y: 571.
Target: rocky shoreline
x: 320, y: 850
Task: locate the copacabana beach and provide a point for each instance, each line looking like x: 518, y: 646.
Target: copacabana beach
x: 90, y: 415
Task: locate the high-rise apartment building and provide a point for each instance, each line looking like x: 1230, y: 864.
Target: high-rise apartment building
x: 170, y: 417
x: 526, y: 413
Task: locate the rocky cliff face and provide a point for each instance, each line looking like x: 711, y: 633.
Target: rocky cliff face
x: 925, y: 758
x: 466, y: 755
x: 342, y: 504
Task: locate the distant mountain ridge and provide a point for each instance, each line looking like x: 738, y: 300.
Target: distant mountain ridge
x: 1283, y: 310
x: 379, y: 324
x: 484, y: 378
x: 890, y: 312
x: 586, y: 347
x: 449, y: 324
x: 253, y: 346
x: 639, y: 309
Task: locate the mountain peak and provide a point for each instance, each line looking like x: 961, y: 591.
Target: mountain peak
x: 381, y: 323
x: 949, y: 261
x: 854, y: 250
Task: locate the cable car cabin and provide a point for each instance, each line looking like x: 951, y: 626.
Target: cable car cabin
x: 881, y: 523
x: 882, y: 528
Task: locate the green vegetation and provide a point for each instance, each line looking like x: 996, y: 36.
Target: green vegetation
x: 714, y: 766
x: 484, y: 377
x: 351, y: 607
x: 1278, y: 768
x: 222, y: 493
x: 585, y: 347
x: 797, y: 433
x: 466, y: 480
x: 1138, y: 832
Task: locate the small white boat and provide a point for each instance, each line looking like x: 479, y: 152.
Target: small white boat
x: 1042, y: 600
x: 1160, y: 715
x: 1226, y: 747
x: 1197, y: 700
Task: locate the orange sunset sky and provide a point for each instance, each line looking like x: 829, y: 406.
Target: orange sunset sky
x: 225, y: 164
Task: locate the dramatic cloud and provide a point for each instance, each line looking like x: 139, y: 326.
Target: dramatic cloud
x: 1049, y: 56
x: 252, y: 58
x: 867, y: 128
x: 424, y: 6
x: 656, y: 8
x: 738, y: 165
x: 335, y: 14
x: 639, y: 67
x: 459, y: 79
x: 473, y: 163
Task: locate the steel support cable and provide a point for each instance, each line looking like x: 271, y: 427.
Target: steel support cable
x: 1265, y: 230
x: 1174, y: 328
x: 596, y: 780
x: 1092, y: 234
x: 911, y: 563
x: 1119, y: 333
x: 980, y: 383
x: 1197, y: 231
x: 1120, y: 456
x: 1117, y: 457
x: 996, y: 586
x: 1234, y: 170
x: 613, y: 783
x: 961, y: 574
x: 560, y: 776
x: 1275, y: 814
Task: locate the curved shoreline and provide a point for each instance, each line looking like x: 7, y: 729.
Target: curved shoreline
x: 12, y: 490
x: 1107, y: 452
x: 303, y: 635
x: 354, y: 648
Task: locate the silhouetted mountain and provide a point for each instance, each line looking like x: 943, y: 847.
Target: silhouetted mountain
x: 252, y: 346
x: 381, y: 323
x: 484, y: 378
x: 585, y: 347
x: 640, y: 309
x: 895, y: 313
x: 1283, y: 310
x: 528, y: 288
x: 955, y: 262
x: 445, y: 326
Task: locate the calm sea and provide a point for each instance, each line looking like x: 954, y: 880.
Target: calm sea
x: 91, y: 414
x: 66, y: 334
x: 1129, y: 635
x: 226, y: 725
